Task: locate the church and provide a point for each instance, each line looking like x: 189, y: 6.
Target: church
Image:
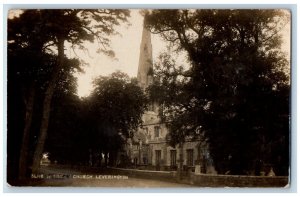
x: 148, y: 149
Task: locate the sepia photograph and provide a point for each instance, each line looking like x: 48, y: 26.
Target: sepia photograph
x: 149, y: 98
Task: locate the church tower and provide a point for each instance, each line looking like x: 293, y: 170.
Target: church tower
x: 145, y: 69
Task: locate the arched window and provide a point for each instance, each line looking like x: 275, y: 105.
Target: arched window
x: 157, y: 131
x: 146, y: 130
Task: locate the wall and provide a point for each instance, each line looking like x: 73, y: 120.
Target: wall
x: 205, y: 180
x: 238, y: 181
x: 146, y: 174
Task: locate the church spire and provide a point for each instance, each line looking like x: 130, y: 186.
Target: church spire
x: 145, y: 69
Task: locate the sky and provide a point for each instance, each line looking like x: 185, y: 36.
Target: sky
x: 126, y: 48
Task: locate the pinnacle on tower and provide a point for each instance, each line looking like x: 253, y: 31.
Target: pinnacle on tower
x: 145, y: 69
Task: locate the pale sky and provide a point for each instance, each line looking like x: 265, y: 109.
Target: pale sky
x: 126, y: 48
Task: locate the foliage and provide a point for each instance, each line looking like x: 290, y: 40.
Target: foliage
x: 118, y: 102
x: 35, y: 64
x: 75, y: 25
x: 98, y: 124
x: 236, y: 88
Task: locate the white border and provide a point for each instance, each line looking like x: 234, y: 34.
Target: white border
x: 151, y: 4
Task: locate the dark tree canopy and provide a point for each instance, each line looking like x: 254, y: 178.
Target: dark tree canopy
x: 100, y: 123
x: 236, y: 88
x: 38, y: 69
x: 118, y: 102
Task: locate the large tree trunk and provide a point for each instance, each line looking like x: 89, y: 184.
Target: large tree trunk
x: 46, y: 108
x: 29, y: 102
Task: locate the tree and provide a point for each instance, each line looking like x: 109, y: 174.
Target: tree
x: 28, y: 68
x: 67, y: 129
x: 39, y: 29
x: 73, y: 26
x: 236, y: 87
x: 100, y: 123
x: 28, y: 73
x: 116, y: 107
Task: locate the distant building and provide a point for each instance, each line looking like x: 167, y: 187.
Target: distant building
x: 149, y: 148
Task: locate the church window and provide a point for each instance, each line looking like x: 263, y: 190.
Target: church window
x: 145, y: 159
x: 157, y: 157
x: 156, y: 131
x: 173, y: 157
x: 151, y: 106
x: 146, y: 130
x: 190, y: 159
x: 150, y: 72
